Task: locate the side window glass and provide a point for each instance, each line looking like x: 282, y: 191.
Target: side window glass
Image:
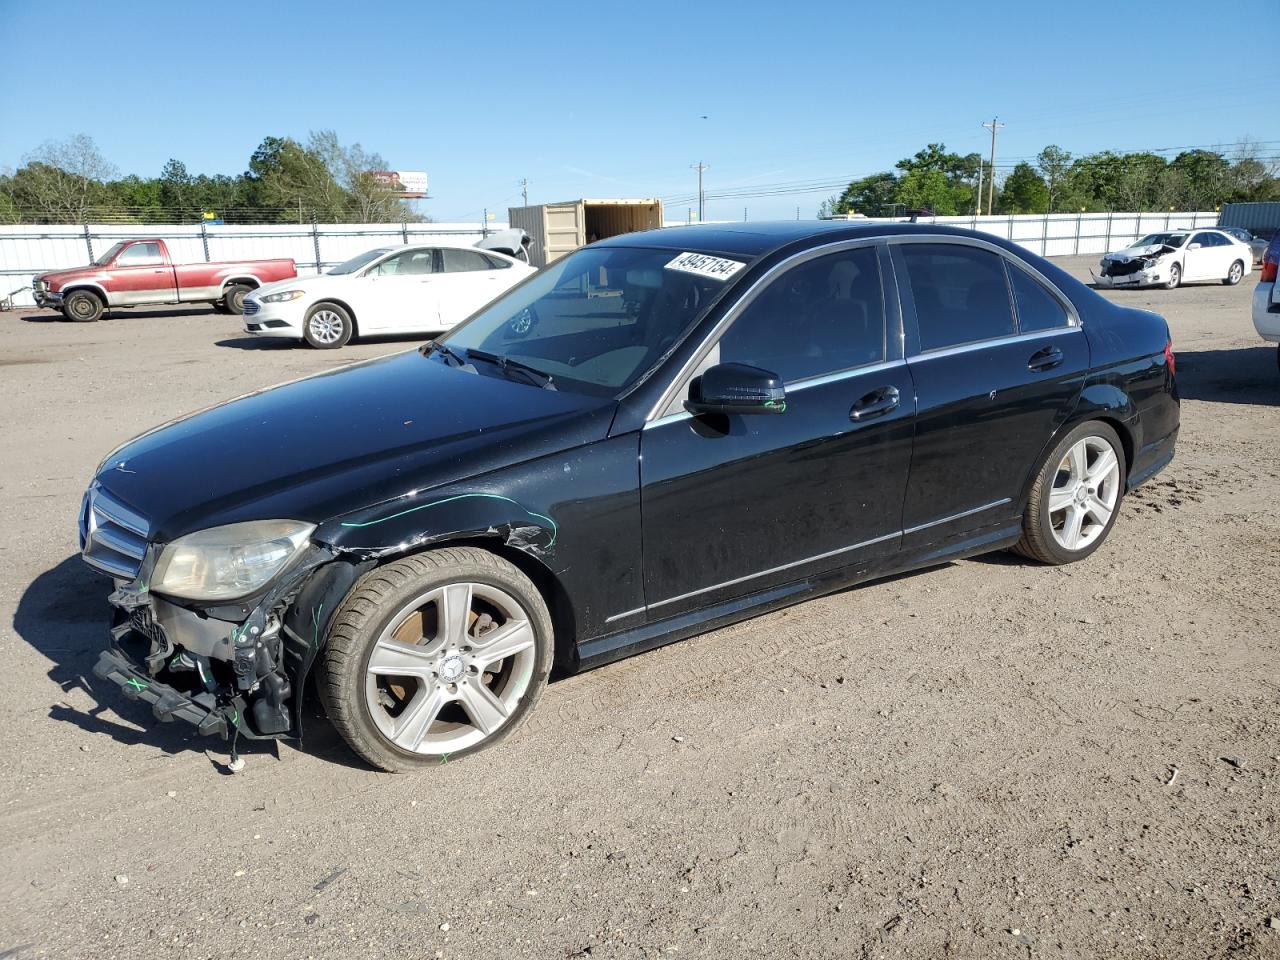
x: 1204, y: 239
x: 1038, y: 309
x: 822, y: 316
x: 960, y: 294
x: 457, y: 260
x: 140, y: 255
x: 495, y: 263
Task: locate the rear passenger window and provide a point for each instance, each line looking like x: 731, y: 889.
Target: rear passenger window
x: 826, y: 314
x: 463, y: 261
x: 1038, y: 309
x: 960, y: 294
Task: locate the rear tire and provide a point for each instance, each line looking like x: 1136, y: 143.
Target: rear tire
x: 1076, y: 496
x: 83, y: 306
x: 417, y: 671
x: 233, y: 298
x: 327, y: 327
x: 1175, y: 277
x: 1235, y: 274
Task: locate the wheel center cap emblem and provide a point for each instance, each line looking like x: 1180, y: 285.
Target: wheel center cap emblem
x: 1081, y: 494
x: 451, y: 670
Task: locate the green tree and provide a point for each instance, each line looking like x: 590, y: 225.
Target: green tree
x: 872, y: 196
x: 1024, y: 191
x: 1054, y: 164
x: 927, y: 189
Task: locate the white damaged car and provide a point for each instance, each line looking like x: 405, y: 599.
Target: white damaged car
x: 1176, y: 257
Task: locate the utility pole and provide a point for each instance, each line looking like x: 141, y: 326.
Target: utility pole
x: 702, y: 198
x: 524, y: 190
x: 993, y: 126
x: 977, y: 206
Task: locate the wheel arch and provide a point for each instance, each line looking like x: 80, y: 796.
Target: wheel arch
x: 1106, y: 403
x: 337, y: 301
x: 86, y: 286
x: 246, y: 280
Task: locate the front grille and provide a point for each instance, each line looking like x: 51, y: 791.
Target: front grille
x: 40, y: 286
x: 251, y: 307
x: 113, y: 537
x: 1121, y: 268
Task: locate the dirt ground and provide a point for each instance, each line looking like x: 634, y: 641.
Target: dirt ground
x: 987, y: 759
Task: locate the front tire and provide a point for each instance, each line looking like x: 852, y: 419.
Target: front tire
x: 83, y: 306
x: 1175, y: 277
x: 434, y: 657
x: 233, y: 298
x: 1076, y: 496
x: 1235, y: 274
x: 327, y: 327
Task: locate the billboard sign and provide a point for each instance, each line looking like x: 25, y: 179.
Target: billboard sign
x: 409, y: 184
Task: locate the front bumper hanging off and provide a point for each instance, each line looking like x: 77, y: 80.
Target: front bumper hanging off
x: 201, y: 710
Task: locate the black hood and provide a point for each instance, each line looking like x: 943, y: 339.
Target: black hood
x: 322, y: 447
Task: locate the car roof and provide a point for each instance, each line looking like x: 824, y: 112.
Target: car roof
x: 753, y: 240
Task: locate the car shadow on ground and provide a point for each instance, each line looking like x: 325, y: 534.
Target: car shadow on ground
x: 1243, y: 375
x: 64, y: 615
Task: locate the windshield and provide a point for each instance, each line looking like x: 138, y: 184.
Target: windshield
x: 355, y: 263
x: 110, y: 255
x: 1162, y: 239
x: 597, y: 320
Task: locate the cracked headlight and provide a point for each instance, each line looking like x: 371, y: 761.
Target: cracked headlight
x: 281, y: 297
x: 224, y: 563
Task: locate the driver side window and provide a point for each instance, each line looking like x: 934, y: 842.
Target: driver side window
x: 820, y: 317
x: 409, y: 263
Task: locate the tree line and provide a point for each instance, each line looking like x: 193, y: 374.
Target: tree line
x: 70, y: 181
x: 946, y: 184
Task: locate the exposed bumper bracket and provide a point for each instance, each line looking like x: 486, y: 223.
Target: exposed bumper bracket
x: 200, y: 710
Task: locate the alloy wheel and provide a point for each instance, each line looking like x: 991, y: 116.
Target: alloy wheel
x: 450, y: 668
x: 1085, y: 491
x: 325, y: 326
x: 1236, y: 273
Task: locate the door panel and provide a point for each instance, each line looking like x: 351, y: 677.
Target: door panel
x: 1200, y: 264
x: 398, y: 295
x: 140, y: 275
x: 732, y: 504
x: 986, y: 410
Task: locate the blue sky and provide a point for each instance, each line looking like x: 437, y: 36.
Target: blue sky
x: 611, y: 99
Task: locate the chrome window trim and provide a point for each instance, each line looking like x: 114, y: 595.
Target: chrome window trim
x: 797, y: 386
x: 713, y: 335
x: 996, y: 342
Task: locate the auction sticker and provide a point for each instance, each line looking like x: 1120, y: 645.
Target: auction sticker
x: 714, y: 268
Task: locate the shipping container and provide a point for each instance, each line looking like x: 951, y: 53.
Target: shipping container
x: 559, y: 228
x: 1260, y: 219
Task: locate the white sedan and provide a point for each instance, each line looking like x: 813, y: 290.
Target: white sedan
x: 390, y: 290
x: 1175, y: 257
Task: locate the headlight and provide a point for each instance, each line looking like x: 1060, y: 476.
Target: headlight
x: 281, y: 297
x: 223, y: 563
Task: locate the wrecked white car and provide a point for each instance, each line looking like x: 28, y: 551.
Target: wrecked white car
x: 1176, y: 257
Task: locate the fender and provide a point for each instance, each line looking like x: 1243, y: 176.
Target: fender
x: 1099, y: 400
x: 424, y: 517
x: 75, y: 285
x: 246, y: 278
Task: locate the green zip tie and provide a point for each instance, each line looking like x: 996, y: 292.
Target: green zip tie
x: 555, y: 529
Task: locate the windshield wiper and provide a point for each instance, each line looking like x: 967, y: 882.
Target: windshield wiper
x: 447, y: 351
x: 540, y: 378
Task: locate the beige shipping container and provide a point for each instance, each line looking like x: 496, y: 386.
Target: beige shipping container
x: 559, y: 228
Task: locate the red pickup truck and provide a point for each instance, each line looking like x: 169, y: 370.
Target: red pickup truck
x: 137, y: 272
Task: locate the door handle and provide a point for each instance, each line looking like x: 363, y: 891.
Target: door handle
x: 875, y: 404
x: 1045, y: 359
x: 159, y: 271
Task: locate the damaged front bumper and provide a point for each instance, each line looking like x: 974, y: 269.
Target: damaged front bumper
x: 227, y: 670
x: 1142, y: 278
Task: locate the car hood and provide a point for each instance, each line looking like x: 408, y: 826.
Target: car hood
x: 317, y: 282
x: 340, y: 441
x: 68, y: 273
x: 1147, y: 250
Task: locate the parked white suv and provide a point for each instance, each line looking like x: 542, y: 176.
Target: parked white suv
x: 1175, y: 257
x: 390, y: 290
x: 1266, y: 297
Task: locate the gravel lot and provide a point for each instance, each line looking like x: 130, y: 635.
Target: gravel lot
x: 973, y: 761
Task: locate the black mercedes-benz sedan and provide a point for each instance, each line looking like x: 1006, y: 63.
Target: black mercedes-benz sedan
x: 653, y: 436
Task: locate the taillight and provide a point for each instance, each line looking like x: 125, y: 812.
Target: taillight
x: 1168, y: 357
x: 1270, y: 260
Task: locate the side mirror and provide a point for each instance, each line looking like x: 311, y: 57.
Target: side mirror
x: 736, y: 388
x: 1193, y: 246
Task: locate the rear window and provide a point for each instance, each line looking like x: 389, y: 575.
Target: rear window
x: 960, y: 294
x: 1038, y: 309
